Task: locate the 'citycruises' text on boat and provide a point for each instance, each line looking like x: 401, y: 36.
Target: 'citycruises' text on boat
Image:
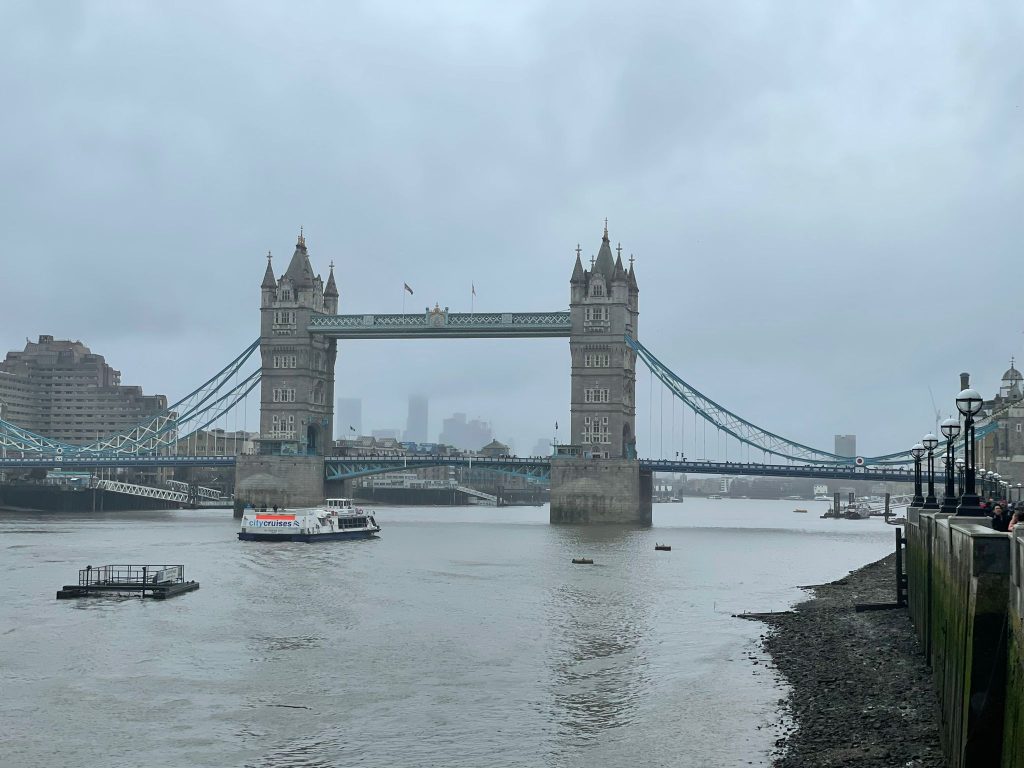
x: 337, y: 519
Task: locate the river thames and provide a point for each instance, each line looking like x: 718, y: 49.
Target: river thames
x: 461, y: 637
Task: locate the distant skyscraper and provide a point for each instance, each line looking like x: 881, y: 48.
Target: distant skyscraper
x: 846, y: 445
x: 416, y: 423
x: 348, y: 417
x: 543, y: 447
x: 465, y: 435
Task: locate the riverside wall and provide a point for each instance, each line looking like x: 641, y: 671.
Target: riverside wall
x: 964, y: 597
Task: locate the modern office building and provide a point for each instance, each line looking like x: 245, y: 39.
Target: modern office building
x: 61, y: 390
x: 416, y: 423
x: 466, y: 435
x: 846, y: 445
x: 348, y: 417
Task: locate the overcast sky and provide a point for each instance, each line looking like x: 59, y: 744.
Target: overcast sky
x: 825, y: 200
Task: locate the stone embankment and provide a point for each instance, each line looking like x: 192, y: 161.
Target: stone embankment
x: 861, y: 693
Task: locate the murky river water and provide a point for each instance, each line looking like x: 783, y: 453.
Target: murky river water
x: 462, y: 637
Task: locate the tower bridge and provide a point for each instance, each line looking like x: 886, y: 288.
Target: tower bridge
x: 596, y: 477
x: 300, y: 329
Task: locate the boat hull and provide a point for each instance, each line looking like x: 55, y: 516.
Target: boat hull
x: 307, y: 538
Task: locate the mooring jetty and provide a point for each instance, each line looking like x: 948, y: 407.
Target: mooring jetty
x: 154, y: 581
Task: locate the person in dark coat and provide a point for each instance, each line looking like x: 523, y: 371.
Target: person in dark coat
x: 999, y: 521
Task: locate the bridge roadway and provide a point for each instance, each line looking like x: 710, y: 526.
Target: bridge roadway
x: 535, y: 469
x: 71, y: 461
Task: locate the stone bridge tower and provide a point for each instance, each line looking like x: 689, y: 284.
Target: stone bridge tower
x: 597, y: 478
x: 297, y: 388
x: 603, y: 307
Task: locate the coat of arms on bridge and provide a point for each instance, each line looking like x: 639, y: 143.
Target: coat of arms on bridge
x: 437, y: 317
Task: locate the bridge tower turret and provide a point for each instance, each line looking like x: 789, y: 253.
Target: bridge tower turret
x: 604, y: 309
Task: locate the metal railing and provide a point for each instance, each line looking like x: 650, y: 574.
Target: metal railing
x: 112, y: 575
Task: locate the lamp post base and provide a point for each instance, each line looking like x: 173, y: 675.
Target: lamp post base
x: 949, y: 504
x: 969, y: 506
x: 931, y: 503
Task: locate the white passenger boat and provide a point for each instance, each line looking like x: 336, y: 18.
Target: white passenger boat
x: 337, y: 519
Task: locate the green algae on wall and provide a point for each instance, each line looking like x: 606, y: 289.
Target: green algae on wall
x: 966, y: 631
x: 1013, y: 723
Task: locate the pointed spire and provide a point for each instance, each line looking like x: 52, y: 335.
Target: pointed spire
x: 300, y: 271
x: 268, y: 276
x: 332, y: 287
x: 577, y: 270
x: 620, y: 272
x: 632, y: 276
x: 605, y: 264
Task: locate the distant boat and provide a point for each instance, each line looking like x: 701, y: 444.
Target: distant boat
x: 582, y: 561
x: 714, y: 496
x: 822, y: 497
x: 663, y: 547
x: 804, y: 511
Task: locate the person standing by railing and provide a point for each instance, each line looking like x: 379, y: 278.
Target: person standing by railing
x: 999, y: 521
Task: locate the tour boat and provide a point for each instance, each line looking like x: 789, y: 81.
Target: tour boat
x: 337, y: 519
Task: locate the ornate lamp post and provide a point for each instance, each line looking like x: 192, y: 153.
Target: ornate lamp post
x: 930, y: 442
x: 917, y: 452
x: 969, y: 402
x: 950, y: 430
x: 960, y: 477
x: 1019, y: 486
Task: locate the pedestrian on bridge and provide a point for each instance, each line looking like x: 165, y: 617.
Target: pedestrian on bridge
x: 999, y: 521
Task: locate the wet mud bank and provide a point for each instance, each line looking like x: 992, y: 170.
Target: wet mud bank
x: 861, y: 693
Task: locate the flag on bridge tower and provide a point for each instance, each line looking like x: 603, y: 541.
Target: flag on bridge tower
x: 407, y: 288
x: 473, y: 286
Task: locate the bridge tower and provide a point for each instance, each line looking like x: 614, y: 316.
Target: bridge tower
x: 297, y: 387
x: 603, y: 307
x: 597, y: 477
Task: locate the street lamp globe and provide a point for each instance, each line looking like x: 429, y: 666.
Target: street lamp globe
x: 929, y: 441
x: 969, y: 402
x: 950, y: 428
x: 917, y: 451
x: 960, y: 464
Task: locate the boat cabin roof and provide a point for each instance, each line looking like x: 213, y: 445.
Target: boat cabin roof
x: 339, y: 503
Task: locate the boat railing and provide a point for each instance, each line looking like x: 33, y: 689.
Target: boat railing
x: 130, y: 574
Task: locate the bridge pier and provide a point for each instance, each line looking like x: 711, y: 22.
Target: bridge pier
x: 600, y: 491
x: 288, y: 481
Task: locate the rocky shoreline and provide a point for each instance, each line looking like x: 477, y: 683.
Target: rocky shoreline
x: 861, y: 694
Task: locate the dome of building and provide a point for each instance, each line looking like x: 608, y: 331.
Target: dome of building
x: 1012, y: 374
